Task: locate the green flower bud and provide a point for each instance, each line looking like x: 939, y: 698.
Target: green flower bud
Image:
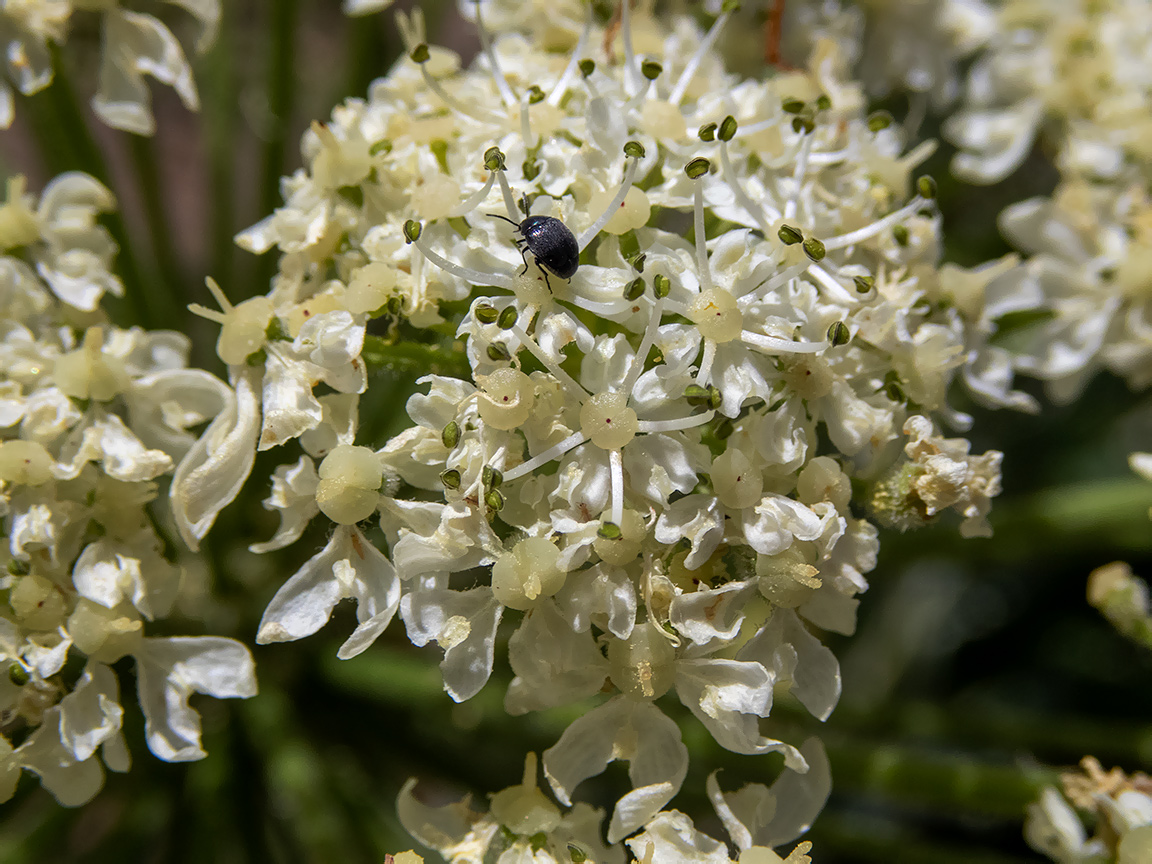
x: 879, y: 120
x: 486, y: 314
x: 450, y: 434
x: 864, y: 284
x: 634, y: 289
x: 420, y: 53
x: 498, y: 351
x: 634, y: 150
x: 450, y: 478
x: 661, y: 285
x: 412, y: 231
x: 707, y: 132
x: 839, y: 334
x: 651, y: 70
x: 587, y: 67
x: 814, y: 249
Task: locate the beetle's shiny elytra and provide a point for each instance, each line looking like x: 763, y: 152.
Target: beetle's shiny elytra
x: 551, y: 243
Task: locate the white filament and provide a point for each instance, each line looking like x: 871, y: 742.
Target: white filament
x: 589, y: 235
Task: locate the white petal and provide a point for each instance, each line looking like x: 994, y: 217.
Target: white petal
x: 290, y: 409
x: 670, y: 838
x: 136, y: 45
x: 554, y: 664
x: 816, y: 675
x: 91, y: 713
x: 169, y: 671
x: 637, y: 807
x: 72, y: 783
x: 294, y: 496
x: 727, y: 696
x: 210, y: 476
x: 710, y: 614
x: 464, y: 624
x: 305, y: 602
x: 619, y: 729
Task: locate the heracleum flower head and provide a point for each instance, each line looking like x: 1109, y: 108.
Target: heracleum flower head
x: 645, y: 457
x: 92, y: 418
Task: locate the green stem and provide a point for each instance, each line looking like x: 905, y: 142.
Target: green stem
x: 220, y: 130
x: 169, y: 301
x: 281, y: 90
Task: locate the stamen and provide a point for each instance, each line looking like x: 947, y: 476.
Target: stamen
x: 509, y: 199
x: 476, y: 277
x: 525, y: 123
x: 880, y: 225
x: 779, y: 280
x: 550, y: 364
x: 453, y: 103
x: 798, y: 176
x: 616, y: 463
x: 645, y: 345
x: 704, y: 275
x: 690, y: 70
x: 755, y: 211
x: 830, y: 284
x: 677, y: 425
x: 629, y: 54
x: 473, y: 201
x: 786, y: 346
x: 705, y: 369
x: 486, y: 44
x: 553, y: 452
x: 630, y: 172
x: 561, y: 87
x: 610, y: 307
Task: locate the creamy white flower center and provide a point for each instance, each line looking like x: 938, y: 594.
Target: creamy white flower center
x: 737, y: 483
x: 607, y: 420
x: 530, y: 572
x: 506, y: 398
x: 641, y: 666
x: 716, y: 314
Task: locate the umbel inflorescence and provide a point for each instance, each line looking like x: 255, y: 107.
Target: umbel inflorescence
x: 643, y: 473
x: 95, y: 418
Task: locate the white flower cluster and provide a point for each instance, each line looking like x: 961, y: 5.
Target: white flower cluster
x: 718, y: 303
x: 523, y: 824
x: 1077, y: 69
x: 1121, y: 805
x: 133, y: 44
x: 91, y: 418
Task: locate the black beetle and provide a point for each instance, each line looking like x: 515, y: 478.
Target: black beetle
x: 551, y: 243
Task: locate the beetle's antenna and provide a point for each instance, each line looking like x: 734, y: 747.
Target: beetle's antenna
x: 505, y: 218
